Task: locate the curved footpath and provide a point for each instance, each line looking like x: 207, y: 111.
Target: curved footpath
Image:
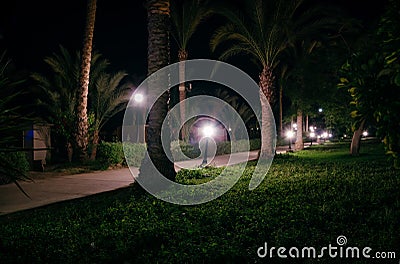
x: 61, y: 188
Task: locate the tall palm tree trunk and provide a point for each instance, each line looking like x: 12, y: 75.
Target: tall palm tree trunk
x: 267, y: 131
x: 299, y: 145
x: 95, y: 143
x: 182, y: 55
x: 356, y: 140
x: 82, y: 120
x: 281, y: 134
x: 158, y: 12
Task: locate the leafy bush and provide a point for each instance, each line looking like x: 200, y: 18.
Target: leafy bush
x: 18, y: 166
x: 187, y: 149
x: 134, y: 153
x: 237, y: 146
x: 255, y: 144
x: 112, y: 153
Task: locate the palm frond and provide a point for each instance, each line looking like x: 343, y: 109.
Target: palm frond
x: 186, y: 17
x: 108, y: 97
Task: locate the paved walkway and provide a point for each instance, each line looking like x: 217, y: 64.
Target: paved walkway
x: 60, y: 188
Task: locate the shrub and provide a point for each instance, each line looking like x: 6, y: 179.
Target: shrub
x: 18, y: 166
x: 223, y: 147
x: 112, y: 153
x: 134, y: 153
x: 187, y: 149
x: 255, y: 144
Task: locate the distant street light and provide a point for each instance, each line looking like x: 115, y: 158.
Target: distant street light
x: 320, y: 110
x: 207, y: 131
x: 365, y: 133
x: 289, y: 135
x: 138, y: 98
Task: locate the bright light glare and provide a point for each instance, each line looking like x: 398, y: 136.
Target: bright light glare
x: 290, y: 134
x: 365, y: 133
x: 208, y: 131
x: 325, y: 135
x: 312, y: 134
x: 320, y: 110
x: 311, y: 128
x: 138, y: 98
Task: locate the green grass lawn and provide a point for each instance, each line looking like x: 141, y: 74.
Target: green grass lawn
x: 308, y: 198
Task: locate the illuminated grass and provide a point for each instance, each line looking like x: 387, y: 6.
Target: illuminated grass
x: 307, y: 199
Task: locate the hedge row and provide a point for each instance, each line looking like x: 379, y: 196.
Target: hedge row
x: 112, y: 153
x: 224, y: 147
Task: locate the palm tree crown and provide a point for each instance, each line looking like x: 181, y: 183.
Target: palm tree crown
x: 264, y: 31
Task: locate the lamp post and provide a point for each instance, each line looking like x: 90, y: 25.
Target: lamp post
x: 290, y: 134
x: 312, y: 134
x: 207, y: 131
x: 139, y: 99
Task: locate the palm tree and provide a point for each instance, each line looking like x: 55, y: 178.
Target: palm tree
x: 244, y: 111
x: 186, y: 16
x: 273, y: 26
x: 263, y: 35
x: 300, y: 55
x: 108, y: 97
x: 158, y: 19
x: 81, y: 109
x: 282, y: 82
x: 58, y: 94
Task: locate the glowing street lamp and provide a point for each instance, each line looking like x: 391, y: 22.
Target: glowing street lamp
x: 289, y: 135
x: 365, y: 133
x: 138, y: 98
x: 207, y: 131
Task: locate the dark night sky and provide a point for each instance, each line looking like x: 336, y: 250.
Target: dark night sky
x: 31, y: 30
